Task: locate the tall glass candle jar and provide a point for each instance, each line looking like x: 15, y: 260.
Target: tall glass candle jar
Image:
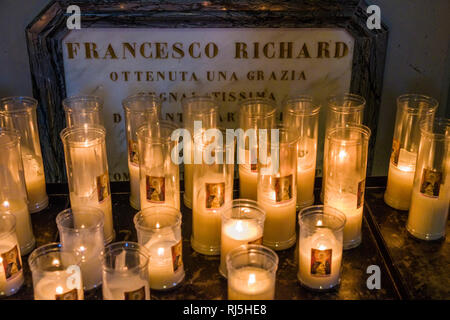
x: 139, y: 109
x: 87, y: 171
x: 204, y: 109
x: 251, y: 273
x: 411, y: 110
x: 11, y: 269
x: 254, y: 114
x: 213, y: 189
x: 83, y: 110
x: 159, y: 175
x: 346, y: 161
x: 56, y: 274
x: 81, y: 232
x: 342, y: 110
x: 320, y: 245
x: 125, y: 272
x: 277, y: 192
x: 19, y: 113
x: 159, y: 230
x: 428, y: 214
x: 242, y: 223
x: 301, y: 115
x: 13, y: 193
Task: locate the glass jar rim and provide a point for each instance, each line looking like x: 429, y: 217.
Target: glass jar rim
x: 127, y: 246
x: 346, y: 97
x: 291, y: 102
x: 82, y: 98
x: 11, y: 220
x: 254, y: 249
x: 256, y: 213
x: 364, y: 130
x: 129, y: 106
x: 98, y: 130
x: 324, y: 211
x: 431, y: 102
x: 142, y: 133
x: 68, y: 213
x: 167, y: 211
x: 428, y: 128
x: 18, y: 104
x: 13, y: 134
x: 270, y: 106
x: 46, y: 249
x: 212, y: 107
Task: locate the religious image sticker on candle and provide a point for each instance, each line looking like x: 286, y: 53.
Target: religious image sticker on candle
x: 215, y: 195
x: 12, y: 263
x: 177, y: 255
x: 283, y: 188
x: 321, y: 262
x: 155, y: 189
x: 103, y: 187
x: 431, y: 183
x: 138, y: 294
x: 69, y: 295
x: 133, y: 152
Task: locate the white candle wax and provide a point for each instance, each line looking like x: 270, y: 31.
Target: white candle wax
x: 11, y: 269
x: 24, y: 231
x: 399, y: 186
x: 34, y: 181
x: 53, y: 286
x: 188, y: 184
x: 236, y: 232
x: 305, y: 184
x: 90, y: 255
x: 134, y: 185
x: 126, y: 286
x: 250, y: 283
x: 247, y: 182
x: 320, y: 260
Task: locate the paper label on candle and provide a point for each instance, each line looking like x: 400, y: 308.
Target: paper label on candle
x: 155, y: 189
x: 103, y: 191
x: 69, y: 295
x: 321, y: 262
x: 12, y: 263
x: 360, y: 194
x: 283, y: 188
x: 177, y: 255
x: 395, y: 153
x: 215, y: 195
x: 138, y: 294
x: 133, y: 152
x: 431, y: 183
x: 257, y: 241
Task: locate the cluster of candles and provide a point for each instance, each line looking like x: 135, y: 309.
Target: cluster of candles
x: 245, y: 231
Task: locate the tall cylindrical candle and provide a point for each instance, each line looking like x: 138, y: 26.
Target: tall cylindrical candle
x: 83, y: 110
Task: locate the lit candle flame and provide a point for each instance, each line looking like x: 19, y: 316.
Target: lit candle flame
x: 319, y: 223
x: 6, y: 204
x: 157, y: 225
x: 239, y: 227
x: 251, y: 279
x: 160, y: 252
x: 322, y: 247
x: 405, y: 168
x: 59, y: 290
x: 55, y: 262
x: 342, y: 155
x: 82, y: 248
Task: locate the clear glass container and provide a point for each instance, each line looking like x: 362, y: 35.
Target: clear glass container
x: 251, y: 273
x: 277, y: 192
x: 125, y: 272
x: 320, y: 247
x: 428, y: 214
x: 87, y: 171
x: 140, y: 109
x: 254, y: 115
x: 83, y: 110
x: 13, y: 193
x: 242, y: 223
x: 81, y: 232
x: 346, y: 161
x: 11, y: 268
x: 411, y: 110
x: 56, y: 274
x: 19, y: 113
x: 159, y: 230
x: 159, y: 175
x: 301, y: 115
x: 200, y: 108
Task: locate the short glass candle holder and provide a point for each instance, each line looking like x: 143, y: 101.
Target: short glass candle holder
x: 346, y: 166
x: 159, y: 175
x: 242, y: 223
x: 125, y: 272
x: 19, y: 113
x: 428, y: 214
x: 83, y: 110
x: 13, y: 194
x: 199, y: 108
x: 301, y: 115
x: 140, y: 109
x: 87, y: 171
x: 56, y: 274
x: 11, y: 268
x: 411, y: 110
x: 81, y: 232
x: 251, y: 273
x: 254, y: 114
x: 159, y: 230
x: 320, y: 246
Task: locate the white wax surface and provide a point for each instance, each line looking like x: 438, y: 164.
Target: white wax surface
x: 251, y: 283
x: 305, y: 185
x: 247, y: 183
x: 24, y: 231
x: 134, y: 185
x: 399, y: 186
x: 115, y: 286
x: 52, y: 284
